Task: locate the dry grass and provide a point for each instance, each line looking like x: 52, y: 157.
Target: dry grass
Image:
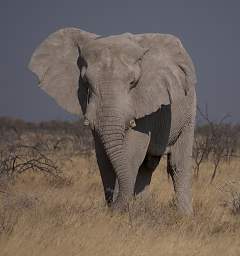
x: 42, y: 216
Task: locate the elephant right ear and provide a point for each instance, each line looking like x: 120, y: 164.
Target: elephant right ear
x: 167, y: 76
x: 55, y: 62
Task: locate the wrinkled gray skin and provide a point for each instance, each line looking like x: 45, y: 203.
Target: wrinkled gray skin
x: 137, y: 93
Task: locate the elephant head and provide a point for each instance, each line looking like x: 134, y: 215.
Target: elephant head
x: 116, y: 80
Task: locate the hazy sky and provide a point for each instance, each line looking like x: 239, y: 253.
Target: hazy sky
x: 209, y: 30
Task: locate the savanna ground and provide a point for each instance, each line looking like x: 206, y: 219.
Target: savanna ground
x: 42, y: 214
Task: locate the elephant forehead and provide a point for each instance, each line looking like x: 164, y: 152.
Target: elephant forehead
x: 111, y: 47
x: 117, y: 41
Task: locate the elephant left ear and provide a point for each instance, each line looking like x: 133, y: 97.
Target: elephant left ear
x: 57, y: 63
x: 167, y: 73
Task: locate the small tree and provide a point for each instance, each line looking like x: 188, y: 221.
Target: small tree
x: 202, y: 141
x: 201, y: 150
x: 215, y: 141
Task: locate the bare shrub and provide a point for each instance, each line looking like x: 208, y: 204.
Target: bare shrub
x: 215, y: 141
x: 201, y: 148
x: 18, y: 159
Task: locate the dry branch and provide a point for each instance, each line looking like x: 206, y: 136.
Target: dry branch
x: 18, y: 159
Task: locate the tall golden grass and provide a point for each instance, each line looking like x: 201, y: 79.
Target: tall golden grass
x: 43, y: 216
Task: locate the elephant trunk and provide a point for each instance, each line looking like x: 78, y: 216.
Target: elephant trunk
x: 112, y: 132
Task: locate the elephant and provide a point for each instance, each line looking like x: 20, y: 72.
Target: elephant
x: 137, y: 94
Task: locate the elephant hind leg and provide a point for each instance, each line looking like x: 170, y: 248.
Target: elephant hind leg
x: 179, y: 167
x: 145, y: 172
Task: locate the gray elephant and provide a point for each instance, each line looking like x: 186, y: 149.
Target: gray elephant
x: 137, y: 93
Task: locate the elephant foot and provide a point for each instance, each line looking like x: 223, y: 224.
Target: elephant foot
x: 121, y: 208
x: 185, y: 211
x: 121, y: 204
x: 184, y: 206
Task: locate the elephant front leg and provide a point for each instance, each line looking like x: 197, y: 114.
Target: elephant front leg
x: 179, y: 166
x: 107, y: 173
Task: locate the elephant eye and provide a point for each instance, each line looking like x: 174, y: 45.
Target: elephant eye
x: 135, y: 76
x: 133, y: 84
x: 133, y: 81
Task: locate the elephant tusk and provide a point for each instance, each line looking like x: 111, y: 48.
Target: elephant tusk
x: 132, y: 123
x: 86, y: 122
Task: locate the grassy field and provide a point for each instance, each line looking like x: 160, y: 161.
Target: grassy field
x: 40, y: 215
